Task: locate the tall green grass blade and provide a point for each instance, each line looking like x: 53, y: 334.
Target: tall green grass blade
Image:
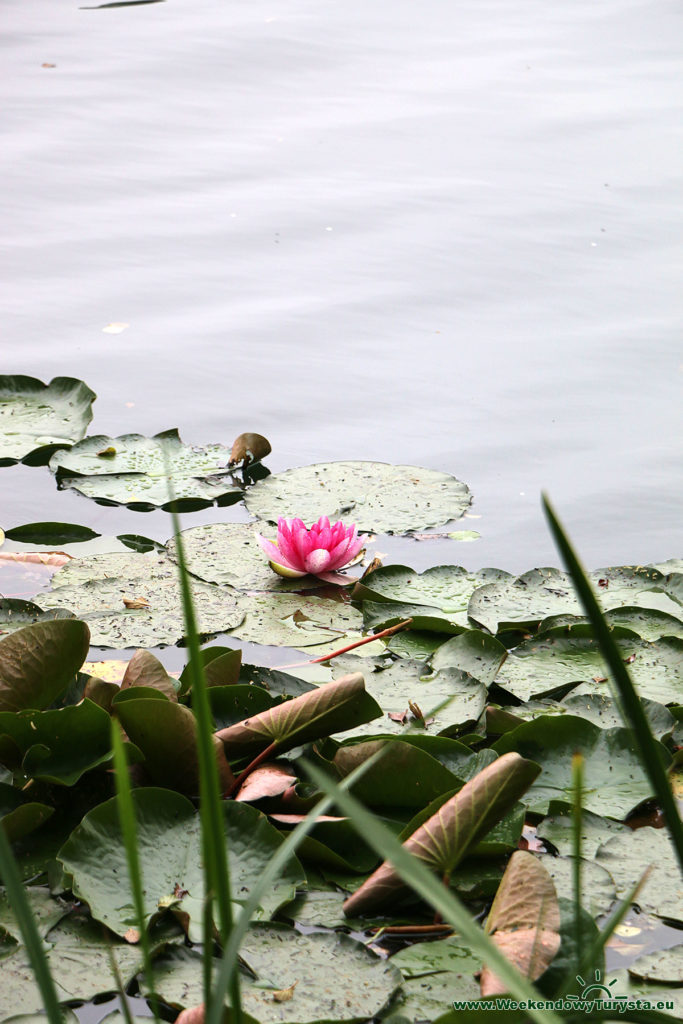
x: 631, y: 707
x: 124, y: 803
x: 431, y: 889
x: 210, y: 802
x: 577, y: 822
x: 34, y: 946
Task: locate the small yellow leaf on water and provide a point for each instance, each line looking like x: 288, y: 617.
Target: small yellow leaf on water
x: 107, y: 453
x: 115, y: 328
x: 110, y: 671
x: 136, y: 602
x: 283, y: 995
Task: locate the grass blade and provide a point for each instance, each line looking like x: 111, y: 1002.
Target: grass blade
x: 124, y: 803
x: 630, y: 704
x: 32, y: 940
x: 577, y: 822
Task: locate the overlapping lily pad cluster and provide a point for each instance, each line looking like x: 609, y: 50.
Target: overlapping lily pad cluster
x: 477, y: 710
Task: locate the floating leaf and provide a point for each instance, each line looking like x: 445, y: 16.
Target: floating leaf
x: 405, y: 776
x: 108, y: 578
x: 614, y: 779
x: 144, y: 669
x: 19, y: 816
x: 166, y: 733
x: 443, y: 588
x: 36, y: 419
x: 446, y: 837
x: 597, y: 887
x: 228, y: 553
x: 627, y: 855
x: 15, y: 613
x: 558, y: 829
x: 291, y: 620
x: 358, y: 987
x: 375, y: 495
x: 648, y: 623
x: 539, y: 593
x: 37, y: 662
x: 170, y: 853
x: 58, y: 746
x: 136, y: 474
x: 50, y: 533
x: 435, y: 973
x: 473, y: 652
x: 249, y: 448
x: 565, y: 656
x: 665, y: 966
x: 332, y: 707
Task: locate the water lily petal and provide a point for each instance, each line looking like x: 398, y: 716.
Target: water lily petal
x: 274, y: 553
x: 286, y: 544
x: 338, y: 578
x: 317, y: 561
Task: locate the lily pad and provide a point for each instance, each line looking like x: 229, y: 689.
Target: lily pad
x: 558, y: 829
x: 449, y: 700
x: 51, y: 533
x: 614, y: 781
x: 435, y: 973
x: 376, y: 496
x: 626, y: 856
x: 19, y: 816
x: 532, y: 597
x: 131, y: 470
x: 357, y: 988
x: 663, y: 997
x: 598, y: 892
x: 36, y: 419
x: 474, y: 652
x: 565, y: 656
x: 171, y: 859
x: 665, y: 966
x: 15, y: 613
x: 444, y: 588
x: 98, y: 586
x: 61, y: 745
x: 38, y: 662
x: 228, y: 554
x: 291, y: 620
x: 648, y: 623
x: 405, y: 776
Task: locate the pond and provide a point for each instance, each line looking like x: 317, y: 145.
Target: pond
x: 446, y: 236
x: 442, y: 237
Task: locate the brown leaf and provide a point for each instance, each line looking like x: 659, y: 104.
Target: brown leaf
x: 55, y: 558
x: 283, y: 995
x: 136, y: 602
x: 144, y: 669
x: 132, y: 936
x: 531, y: 951
x: 270, y: 779
x: 398, y: 716
x: 599, y: 679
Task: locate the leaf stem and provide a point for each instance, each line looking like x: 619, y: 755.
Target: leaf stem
x: 263, y: 756
x: 351, y: 647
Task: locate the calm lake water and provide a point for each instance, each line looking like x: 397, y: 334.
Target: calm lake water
x: 438, y: 234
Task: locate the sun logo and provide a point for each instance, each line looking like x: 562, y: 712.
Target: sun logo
x: 595, y: 989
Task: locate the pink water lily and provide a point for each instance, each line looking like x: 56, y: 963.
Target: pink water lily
x: 319, y: 551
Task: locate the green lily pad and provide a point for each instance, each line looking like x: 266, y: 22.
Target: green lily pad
x: 166, y: 733
x: 435, y: 973
x: 37, y: 662
x: 19, y: 816
x: 395, y: 684
x: 404, y: 777
x: 614, y: 781
x: 444, y: 588
x: 170, y: 850
x: 604, y: 711
x: 626, y: 856
x: 36, y: 419
x: 565, y: 656
x: 45, y: 909
x: 665, y: 966
x: 379, y: 615
x: 532, y: 597
x: 337, y: 978
x: 291, y: 620
x: 15, y: 613
x: 665, y: 998
x: 558, y: 829
x: 229, y: 554
x: 648, y: 623
x: 131, y: 470
x: 598, y: 891
x: 473, y: 652
x: 59, y: 746
x: 97, y: 585
x: 375, y: 496
x: 51, y: 533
